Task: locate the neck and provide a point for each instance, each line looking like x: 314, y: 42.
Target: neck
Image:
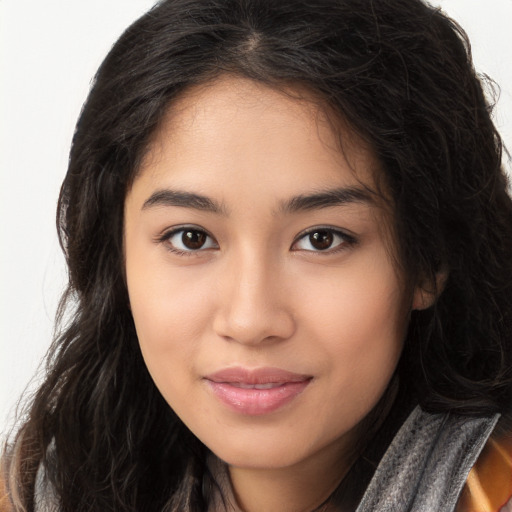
x: 299, y: 488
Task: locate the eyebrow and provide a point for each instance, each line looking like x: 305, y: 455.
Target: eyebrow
x: 168, y: 197
x: 327, y: 199
x: 303, y: 202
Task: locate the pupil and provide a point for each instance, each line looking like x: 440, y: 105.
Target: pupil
x: 193, y: 239
x: 321, y: 240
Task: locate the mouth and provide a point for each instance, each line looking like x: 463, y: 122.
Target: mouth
x: 256, y: 392
x: 243, y: 385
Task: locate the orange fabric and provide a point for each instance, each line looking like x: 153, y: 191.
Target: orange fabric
x: 489, y: 484
x: 4, y: 499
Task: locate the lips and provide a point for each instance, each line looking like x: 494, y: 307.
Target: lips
x: 256, y: 392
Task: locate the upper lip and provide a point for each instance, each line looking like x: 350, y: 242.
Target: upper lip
x: 256, y: 376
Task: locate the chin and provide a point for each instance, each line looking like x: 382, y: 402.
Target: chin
x: 260, y: 460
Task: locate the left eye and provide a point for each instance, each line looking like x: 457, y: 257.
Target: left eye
x: 321, y: 239
x: 189, y: 240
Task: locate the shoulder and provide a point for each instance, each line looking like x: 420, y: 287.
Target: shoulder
x: 489, y: 484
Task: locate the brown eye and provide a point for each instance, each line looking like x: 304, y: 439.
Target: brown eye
x: 326, y: 240
x: 193, y: 240
x: 321, y: 240
x: 188, y: 240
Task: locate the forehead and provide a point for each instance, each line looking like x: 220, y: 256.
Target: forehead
x: 239, y: 125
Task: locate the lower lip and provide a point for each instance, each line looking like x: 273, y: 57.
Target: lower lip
x: 257, y: 401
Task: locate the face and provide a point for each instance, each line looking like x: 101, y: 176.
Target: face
x: 261, y: 281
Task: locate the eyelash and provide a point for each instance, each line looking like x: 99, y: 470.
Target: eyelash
x: 166, y: 237
x: 345, y: 240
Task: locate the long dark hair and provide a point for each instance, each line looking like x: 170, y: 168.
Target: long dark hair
x: 400, y: 73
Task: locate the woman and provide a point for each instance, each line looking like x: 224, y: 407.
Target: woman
x: 290, y: 247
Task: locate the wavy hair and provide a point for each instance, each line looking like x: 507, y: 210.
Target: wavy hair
x: 400, y: 73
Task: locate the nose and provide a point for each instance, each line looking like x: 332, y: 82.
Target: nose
x: 253, y: 306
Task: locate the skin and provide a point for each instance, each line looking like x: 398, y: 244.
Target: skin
x: 258, y: 293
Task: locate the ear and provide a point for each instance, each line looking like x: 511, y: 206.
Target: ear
x: 427, y: 291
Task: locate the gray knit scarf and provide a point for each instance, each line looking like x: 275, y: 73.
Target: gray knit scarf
x: 427, y: 464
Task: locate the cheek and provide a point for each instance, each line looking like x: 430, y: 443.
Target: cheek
x: 162, y: 316
x: 170, y: 314
x: 365, y: 305
x: 359, y: 325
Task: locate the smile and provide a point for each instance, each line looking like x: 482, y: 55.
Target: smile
x: 256, y: 392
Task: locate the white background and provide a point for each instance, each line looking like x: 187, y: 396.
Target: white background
x: 49, y: 51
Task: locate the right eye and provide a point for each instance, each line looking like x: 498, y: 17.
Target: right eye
x: 188, y: 240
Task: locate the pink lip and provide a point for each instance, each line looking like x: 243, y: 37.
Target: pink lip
x: 258, y: 391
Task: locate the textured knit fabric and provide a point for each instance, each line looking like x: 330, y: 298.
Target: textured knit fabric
x: 45, y: 499
x: 427, y: 464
